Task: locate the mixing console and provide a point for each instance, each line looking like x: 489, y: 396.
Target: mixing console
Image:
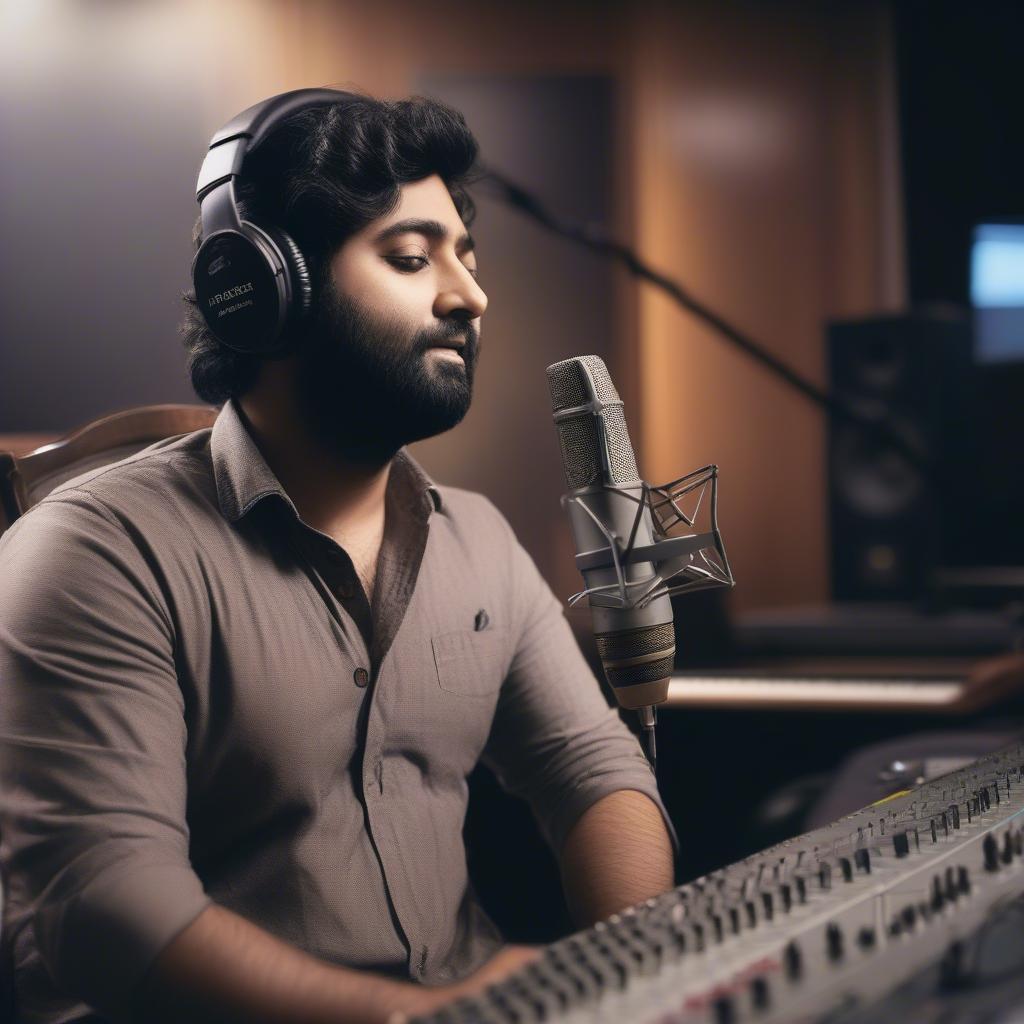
x: 823, y: 926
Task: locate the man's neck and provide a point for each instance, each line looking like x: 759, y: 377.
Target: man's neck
x: 341, y: 498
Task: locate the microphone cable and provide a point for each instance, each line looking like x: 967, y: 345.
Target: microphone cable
x: 592, y: 237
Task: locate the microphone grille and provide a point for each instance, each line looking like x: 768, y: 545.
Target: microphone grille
x: 581, y: 459
x: 577, y: 382
x: 621, y: 457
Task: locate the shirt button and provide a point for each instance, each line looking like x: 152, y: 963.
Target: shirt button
x: 361, y: 676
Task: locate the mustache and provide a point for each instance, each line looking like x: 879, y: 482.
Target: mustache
x: 447, y: 332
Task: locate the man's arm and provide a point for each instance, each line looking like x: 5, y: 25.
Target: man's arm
x: 222, y: 969
x: 617, y: 854
x: 557, y: 743
x: 93, y: 802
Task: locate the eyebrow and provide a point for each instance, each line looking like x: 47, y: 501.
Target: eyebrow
x: 433, y: 229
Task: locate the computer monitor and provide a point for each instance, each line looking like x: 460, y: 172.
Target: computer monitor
x: 997, y: 291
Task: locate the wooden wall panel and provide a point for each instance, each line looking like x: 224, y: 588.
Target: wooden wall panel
x: 762, y: 165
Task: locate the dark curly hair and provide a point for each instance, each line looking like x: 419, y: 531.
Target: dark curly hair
x: 322, y: 175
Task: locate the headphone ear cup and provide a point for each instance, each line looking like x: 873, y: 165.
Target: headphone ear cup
x: 240, y: 289
x: 298, y: 271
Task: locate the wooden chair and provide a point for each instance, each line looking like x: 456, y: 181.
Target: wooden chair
x: 26, y: 479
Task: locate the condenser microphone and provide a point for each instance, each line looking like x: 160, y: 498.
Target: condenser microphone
x: 635, y: 638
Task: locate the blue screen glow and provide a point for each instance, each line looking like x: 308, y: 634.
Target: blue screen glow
x: 997, y: 291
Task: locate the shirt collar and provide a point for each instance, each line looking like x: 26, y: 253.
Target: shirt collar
x: 243, y: 477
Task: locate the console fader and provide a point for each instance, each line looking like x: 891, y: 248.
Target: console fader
x: 835, y: 919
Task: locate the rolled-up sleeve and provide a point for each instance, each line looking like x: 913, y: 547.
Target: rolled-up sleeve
x: 555, y: 741
x: 92, y: 751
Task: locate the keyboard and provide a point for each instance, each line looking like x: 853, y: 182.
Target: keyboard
x: 886, y: 693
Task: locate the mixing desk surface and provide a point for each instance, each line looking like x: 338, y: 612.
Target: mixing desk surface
x: 883, y: 915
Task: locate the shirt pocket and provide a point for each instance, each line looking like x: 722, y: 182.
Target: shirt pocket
x: 471, y: 663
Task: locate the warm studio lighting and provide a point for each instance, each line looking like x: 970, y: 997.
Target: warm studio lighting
x: 511, y: 512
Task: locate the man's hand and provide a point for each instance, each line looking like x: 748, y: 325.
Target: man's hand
x: 222, y: 969
x: 506, y: 961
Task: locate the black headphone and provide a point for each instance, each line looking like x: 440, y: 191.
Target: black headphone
x: 250, y: 281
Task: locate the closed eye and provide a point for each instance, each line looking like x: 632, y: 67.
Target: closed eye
x: 409, y: 264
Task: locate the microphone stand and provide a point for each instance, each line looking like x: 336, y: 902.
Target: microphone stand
x: 648, y: 720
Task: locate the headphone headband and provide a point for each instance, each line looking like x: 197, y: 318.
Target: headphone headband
x: 239, y: 137
x: 250, y: 281
x: 250, y: 127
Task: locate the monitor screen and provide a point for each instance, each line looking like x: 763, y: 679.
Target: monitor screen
x: 997, y: 291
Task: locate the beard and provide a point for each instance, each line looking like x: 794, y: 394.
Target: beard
x: 365, y: 388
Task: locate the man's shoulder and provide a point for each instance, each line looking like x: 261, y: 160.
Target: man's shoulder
x: 154, y: 484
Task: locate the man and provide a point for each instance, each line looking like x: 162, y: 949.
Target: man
x: 247, y: 671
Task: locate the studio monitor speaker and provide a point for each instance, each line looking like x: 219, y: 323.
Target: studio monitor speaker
x: 894, y: 518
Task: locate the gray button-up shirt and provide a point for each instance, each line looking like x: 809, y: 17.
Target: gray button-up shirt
x: 198, y: 704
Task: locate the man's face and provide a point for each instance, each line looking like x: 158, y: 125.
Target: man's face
x: 379, y: 369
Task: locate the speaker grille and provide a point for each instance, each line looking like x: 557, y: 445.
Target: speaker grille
x: 894, y: 522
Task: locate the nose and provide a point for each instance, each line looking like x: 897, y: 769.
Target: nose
x: 460, y: 295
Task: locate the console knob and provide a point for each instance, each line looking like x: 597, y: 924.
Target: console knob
x: 991, y: 853
x: 834, y: 942
x: 793, y: 961
x: 724, y: 1010
x: 759, y: 993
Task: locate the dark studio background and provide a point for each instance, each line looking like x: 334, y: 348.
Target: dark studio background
x: 792, y: 163
x: 963, y: 157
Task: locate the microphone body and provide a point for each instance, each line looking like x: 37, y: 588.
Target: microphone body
x: 636, y: 643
